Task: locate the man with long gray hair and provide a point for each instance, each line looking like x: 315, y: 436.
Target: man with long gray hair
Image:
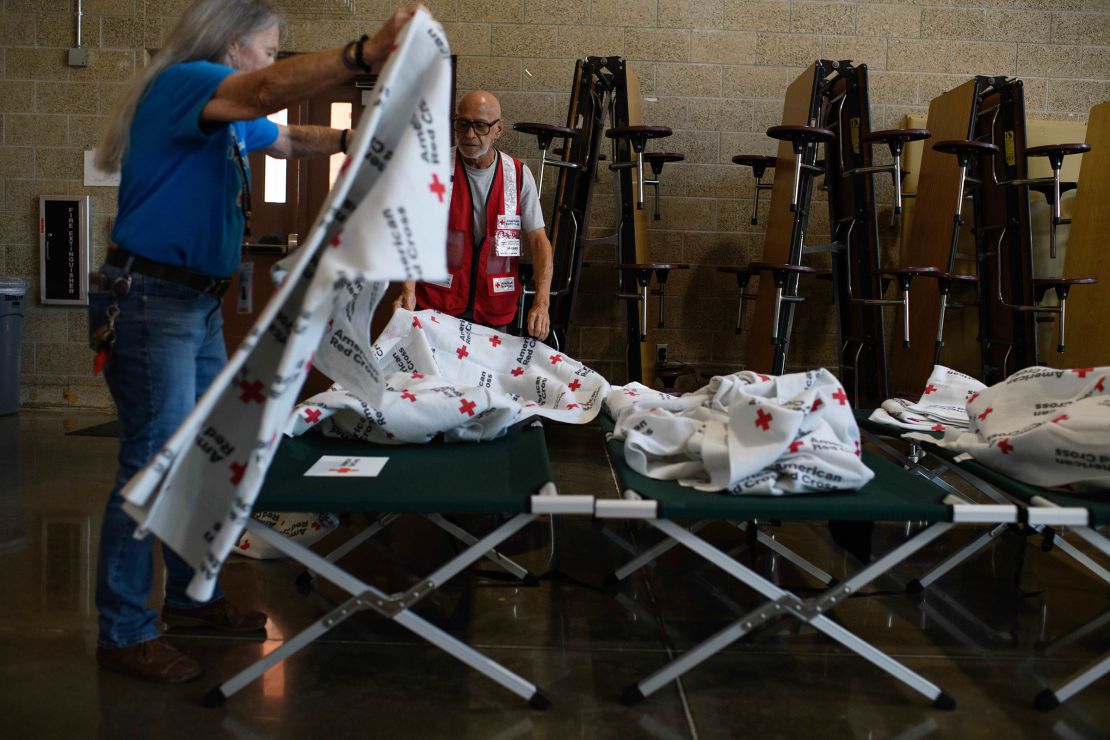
x: 180, y: 138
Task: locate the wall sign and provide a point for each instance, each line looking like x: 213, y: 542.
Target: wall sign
x: 64, y: 249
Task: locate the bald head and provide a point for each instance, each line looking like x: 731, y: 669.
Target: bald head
x: 478, y: 107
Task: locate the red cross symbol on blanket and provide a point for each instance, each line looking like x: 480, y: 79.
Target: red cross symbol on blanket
x: 416, y: 323
x: 983, y: 416
x: 574, y: 385
x: 251, y: 391
x: 437, y: 187
x: 1060, y: 418
x: 1099, y: 385
x: 1082, y: 371
x: 312, y: 415
x: 972, y: 397
x: 556, y: 359
x: 467, y: 407
x: 841, y: 396
x: 495, y: 341
x: 937, y: 427
x: 409, y: 396
x: 461, y: 352
x: 858, y: 454
x: 930, y: 389
x: 572, y: 406
x: 518, y: 371
x: 434, y: 320
x: 342, y: 470
x: 1005, y: 446
x: 417, y: 376
x: 817, y: 403
x: 795, y: 445
x: 237, y: 471
x: 763, y: 377
x: 337, y: 240
x: 763, y: 420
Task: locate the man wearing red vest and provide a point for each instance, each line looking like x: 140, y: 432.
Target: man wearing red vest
x: 494, y: 206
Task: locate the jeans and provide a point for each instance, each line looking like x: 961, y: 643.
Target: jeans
x: 169, y: 347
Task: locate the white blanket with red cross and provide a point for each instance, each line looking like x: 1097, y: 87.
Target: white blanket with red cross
x: 744, y: 433
x: 452, y: 377
x: 1042, y: 426
x: 385, y: 219
x: 942, y: 406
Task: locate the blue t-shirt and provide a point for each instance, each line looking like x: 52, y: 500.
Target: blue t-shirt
x: 180, y: 183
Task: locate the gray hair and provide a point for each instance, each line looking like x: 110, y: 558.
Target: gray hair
x: 204, y: 32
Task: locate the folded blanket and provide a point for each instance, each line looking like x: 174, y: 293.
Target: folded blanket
x: 941, y: 406
x: 744, y: 433
x: 1042, y: 426
x: 451, y: 377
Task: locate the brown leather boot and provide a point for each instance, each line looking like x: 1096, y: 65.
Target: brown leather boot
x: 153, y: 660
x: 219, y: 615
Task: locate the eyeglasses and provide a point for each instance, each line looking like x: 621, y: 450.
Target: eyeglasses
x: 481, y: 128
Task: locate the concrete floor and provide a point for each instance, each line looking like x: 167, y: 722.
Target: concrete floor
x: 991, y: 633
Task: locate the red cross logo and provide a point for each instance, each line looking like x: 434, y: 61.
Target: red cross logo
x: 495, y: 341
x: 417, y: 376
x: 312, y: 415
x: 251, y: 391
x: 435, y: 320
x: 308, y: 363
x: 631, y: 393
x: 1082, y: 371
x: 857, y: 448
x: 409, y: 396
x: 337, y: 240
x: 461, y: 352
x: 437, y: 187
x: 1005, y: 446
x: 574, y: 385
x: 467, y: 407
x: 795, y: 445
x: 937, y: 427
x: 342, y: 470
x: 763, y: 377
x: 817, y: 403
x: 983, y: 416
x: 237, y: 471
x: 1060, y: 418
x: 1099, y: 385
x: 763, y: 420
x: 841, y: 396
x: 416, y: 323
x: 572, y: 406
x: 518, y: 371
x: 556, y: 359
x: 315, y: 525
x: 972, y: 397
x: 930, y: 389
x: 245, y: 545
x: 346, y: 164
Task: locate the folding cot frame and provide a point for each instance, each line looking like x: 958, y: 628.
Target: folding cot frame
x: 1047, y: 512
x: 510, y: 476
x: 659, y: 503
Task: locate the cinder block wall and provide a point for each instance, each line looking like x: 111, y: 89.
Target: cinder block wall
x: 714, y: 70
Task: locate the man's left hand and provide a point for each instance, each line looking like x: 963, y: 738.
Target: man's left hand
x: 539, y: 323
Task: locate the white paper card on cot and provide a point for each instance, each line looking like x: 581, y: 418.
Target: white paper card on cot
x: 339, y: 466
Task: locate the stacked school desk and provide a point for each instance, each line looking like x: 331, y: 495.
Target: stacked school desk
x: 1049, y: 512
x: 510, y: 476
x: 894, y: 495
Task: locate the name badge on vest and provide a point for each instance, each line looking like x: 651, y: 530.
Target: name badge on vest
x: 507, y: 238
x: 502, y: 284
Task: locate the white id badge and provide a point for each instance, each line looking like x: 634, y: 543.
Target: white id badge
x: 502, y: 284
x: 507, y: 238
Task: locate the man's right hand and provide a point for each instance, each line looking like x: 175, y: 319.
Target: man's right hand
x: 407, y: 299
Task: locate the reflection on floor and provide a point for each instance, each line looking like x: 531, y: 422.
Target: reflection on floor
x: 991, y: 633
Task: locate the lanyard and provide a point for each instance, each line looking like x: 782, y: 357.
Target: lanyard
x: 243, y: 168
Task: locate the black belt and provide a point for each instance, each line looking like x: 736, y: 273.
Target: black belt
x: 198, y: 281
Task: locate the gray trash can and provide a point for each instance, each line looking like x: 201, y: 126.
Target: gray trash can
x: 13, y: 293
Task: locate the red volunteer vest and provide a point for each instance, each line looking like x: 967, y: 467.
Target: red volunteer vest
x: 483, y: 268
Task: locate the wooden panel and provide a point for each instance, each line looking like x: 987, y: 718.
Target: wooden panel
x: 759, y: 353
x: 1088, y: 330
x: 927, y: 242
